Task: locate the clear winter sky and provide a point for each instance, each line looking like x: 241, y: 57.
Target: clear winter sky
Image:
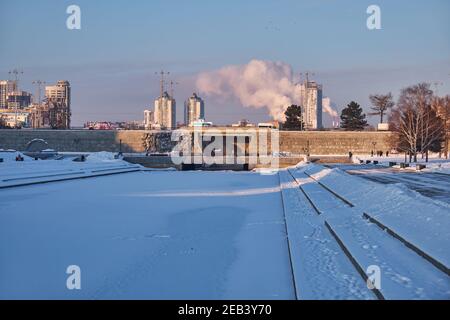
x: 111, y: 61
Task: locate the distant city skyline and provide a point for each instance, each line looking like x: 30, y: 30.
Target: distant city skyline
x: 111, y: 62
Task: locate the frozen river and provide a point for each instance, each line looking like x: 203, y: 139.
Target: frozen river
x: 147, y: 235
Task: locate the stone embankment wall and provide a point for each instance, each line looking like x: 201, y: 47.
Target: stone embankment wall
x: 313, y: 142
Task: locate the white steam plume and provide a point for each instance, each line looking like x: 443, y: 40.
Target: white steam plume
x: 258, y: 84
x: 328, y: 107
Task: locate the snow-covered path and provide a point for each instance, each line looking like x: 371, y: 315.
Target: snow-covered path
x: 405, y: 274
x: 139, y: 235
x: 321, y: 269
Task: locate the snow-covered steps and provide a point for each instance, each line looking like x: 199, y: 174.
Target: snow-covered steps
x: 413, y: 219
x: 407, y: 243
x: 321, y: 270
x: 404, y: 274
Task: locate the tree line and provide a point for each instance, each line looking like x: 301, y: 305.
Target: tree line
x: 420, y: 119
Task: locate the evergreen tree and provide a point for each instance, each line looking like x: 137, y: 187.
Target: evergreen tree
x: 353, y: 118
x: 294, y: 118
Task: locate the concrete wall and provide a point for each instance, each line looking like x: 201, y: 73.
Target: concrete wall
x: 335, y: 142
x: 319, y: 143
x: 74, y: 140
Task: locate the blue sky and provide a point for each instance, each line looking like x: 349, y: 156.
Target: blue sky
x: 111, y: 61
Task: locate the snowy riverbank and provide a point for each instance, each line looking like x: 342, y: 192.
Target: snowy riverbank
x: 434, y: 164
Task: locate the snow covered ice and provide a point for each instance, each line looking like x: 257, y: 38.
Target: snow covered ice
x: 225, y: 239
x: 143, y: 234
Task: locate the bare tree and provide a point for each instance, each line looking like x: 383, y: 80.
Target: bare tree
x: 432, y: 132
x: 419, y: 127
x: 381, y: 103
x: 442, y: 107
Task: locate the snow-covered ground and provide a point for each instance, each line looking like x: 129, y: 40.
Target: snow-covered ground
x: 213, y: 235
x: 429, y: 184
x: 434, y: 164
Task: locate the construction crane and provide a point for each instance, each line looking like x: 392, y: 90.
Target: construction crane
x: 162, y: 82
x: 39, y: 84
x: 16, y: 74
x: 307, y: 74
x: 172, y: 84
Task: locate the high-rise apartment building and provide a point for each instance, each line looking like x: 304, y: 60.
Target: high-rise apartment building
x: 6, y: 87
x: 59, y: 95
x: 59, y: 92
x: 311, y: 93
x: 194, y: 110
x: 165, y: 112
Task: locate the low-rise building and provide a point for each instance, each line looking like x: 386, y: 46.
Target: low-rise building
x: 18, y: 100
x: 149, y: 119
x: 11, y: 119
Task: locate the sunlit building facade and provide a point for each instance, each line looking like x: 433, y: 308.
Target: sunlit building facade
x: 194, y: 110
x: 165, y: 112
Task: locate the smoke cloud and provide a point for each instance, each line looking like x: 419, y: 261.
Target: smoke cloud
x: 258, y: 84
x: 328, y: 107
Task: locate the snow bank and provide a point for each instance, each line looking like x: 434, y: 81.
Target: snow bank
x: 442, y: 167
x: 100, y: 156
x: 30, y: 171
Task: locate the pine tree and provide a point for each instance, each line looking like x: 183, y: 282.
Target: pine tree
x: 353, y: 118
x: 294, y: 118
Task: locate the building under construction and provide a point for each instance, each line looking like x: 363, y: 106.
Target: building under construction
x: 54, y: 112
x: 311, y: 93
x: 50, y: 114
x: 57, y: 105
